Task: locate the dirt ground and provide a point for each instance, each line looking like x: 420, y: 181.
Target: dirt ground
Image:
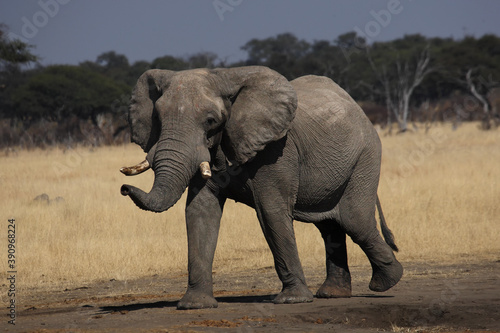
x: 429, y: 298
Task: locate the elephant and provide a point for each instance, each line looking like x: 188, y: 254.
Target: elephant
x: 293, y: 150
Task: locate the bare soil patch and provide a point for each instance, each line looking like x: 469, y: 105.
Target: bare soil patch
x: 430, y: 298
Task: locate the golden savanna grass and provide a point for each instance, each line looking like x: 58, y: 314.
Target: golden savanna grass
x: 439, y: 190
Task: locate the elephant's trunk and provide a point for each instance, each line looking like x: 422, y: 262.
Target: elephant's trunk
x: 174, y: 165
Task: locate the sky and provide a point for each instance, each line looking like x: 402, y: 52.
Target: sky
x: 73, y: 31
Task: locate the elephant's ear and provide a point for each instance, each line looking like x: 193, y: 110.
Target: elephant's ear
x: 142, y: 116
x: 263, y: 107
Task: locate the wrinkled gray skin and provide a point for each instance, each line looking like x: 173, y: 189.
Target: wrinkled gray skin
x: 300, y: 150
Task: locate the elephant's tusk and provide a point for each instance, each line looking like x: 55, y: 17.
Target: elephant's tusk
x: 206, y: 173
x: 136, y: 169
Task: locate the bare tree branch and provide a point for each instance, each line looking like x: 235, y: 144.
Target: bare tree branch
x: 398, y: 94
x: 482, y: 98
x: 475, y: 93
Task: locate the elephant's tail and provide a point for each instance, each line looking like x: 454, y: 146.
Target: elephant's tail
x: 386, y: 232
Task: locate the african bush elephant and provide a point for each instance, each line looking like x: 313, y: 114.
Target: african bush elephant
x: 300, y: 150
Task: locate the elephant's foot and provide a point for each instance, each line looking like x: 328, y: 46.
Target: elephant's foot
x: 331, y: 289
x: 294, y: 294
x: 336, y: 285
x: 386, y: 276
x: 196, y: 300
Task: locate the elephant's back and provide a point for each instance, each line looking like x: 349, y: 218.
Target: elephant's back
x: 321, y: 97
x: 328, y: 111
x: 315, y: 83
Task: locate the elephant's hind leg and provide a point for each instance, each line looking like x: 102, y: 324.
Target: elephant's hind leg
x: 386, y: 270
x: 338, y: 278
x: 357, y: 218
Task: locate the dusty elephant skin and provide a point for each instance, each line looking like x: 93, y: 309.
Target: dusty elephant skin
x: 300, y: 150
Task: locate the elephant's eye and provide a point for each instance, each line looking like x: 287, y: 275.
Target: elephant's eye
x: 211, y: 121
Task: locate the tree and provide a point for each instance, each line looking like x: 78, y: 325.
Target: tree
x: 13, y: 53
x: 400, y: 76
x: 479, y: 88
x: 327, y: 60
x: 474, y: 69
x: 57, y: 92
x: 111, y: 59
x: 169, y: 62
x: 202, y: 60
x: 112, y: 65
x: 281, y: 53
x: 136, y: 70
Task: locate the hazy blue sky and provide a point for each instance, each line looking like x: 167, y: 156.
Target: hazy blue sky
x: 72, y: 31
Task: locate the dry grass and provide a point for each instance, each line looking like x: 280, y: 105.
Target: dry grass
x: 439, y: 192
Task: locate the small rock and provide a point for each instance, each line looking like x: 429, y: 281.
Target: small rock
x: 44, y: 197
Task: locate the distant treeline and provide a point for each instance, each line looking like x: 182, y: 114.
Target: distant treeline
x: 413, y: 78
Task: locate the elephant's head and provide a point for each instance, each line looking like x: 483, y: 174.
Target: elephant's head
x: 181, y: 118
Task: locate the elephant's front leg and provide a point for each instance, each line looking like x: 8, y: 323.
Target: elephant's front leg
x: 278, y: 230
x: 203, y: 214
x: 275, y: 216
